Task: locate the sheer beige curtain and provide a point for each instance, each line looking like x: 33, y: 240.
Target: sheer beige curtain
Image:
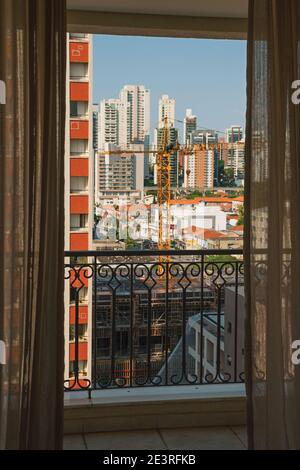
x: 32, y: 64
x: 272, y: 244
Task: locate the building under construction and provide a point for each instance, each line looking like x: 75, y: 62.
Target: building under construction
x: 138, y: 325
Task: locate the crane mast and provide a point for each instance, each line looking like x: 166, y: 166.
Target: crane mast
x: 163, y: 165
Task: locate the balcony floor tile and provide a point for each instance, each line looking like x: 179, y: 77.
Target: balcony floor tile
x: 209, y: 438
x: 74, y: 442
x: 125, y: 440
x: 241, y: 432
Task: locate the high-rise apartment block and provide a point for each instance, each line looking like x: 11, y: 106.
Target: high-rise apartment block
x: 233, y: 151
x: 125, y: 120
x: 119, y: 175
x: 234, y: 134
x: 78, y: 192
x: 189, y: 125
x: 113, y: 123
x: 199, y: 168
x: 166, y: 109
x: 137, y: 99
x: 236, y: 158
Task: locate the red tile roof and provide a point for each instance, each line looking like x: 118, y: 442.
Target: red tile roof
x: 221, y: 200
x: 237, y: 228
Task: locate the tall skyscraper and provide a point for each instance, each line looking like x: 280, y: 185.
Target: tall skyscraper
x: 137, y: 99
x: 113, y: 123
x: 234, y: 134
x: 189, y: 125
x: 79, y: 171
x: 166, y: 109
x: 126, y: 120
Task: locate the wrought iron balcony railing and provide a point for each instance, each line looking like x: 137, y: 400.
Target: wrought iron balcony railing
x: 154, y: 318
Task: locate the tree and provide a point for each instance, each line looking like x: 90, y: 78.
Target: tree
x: 227, y: 178
x: 220, y: 172
x: 241, y: 215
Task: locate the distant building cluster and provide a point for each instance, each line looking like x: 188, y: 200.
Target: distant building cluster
x: 208, y: 160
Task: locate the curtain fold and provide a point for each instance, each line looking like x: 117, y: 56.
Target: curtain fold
x: 272, y: 238
x: 32, y: 126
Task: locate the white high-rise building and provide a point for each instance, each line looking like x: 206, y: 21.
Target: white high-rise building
x: 113, y: 123
x: 236, y: 158
x: 125, y: 120
x: 189, y: 125
x: 234, y: 134
x: 136, y: 99
x: 166, y: 108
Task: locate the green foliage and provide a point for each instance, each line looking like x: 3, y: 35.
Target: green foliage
x: 219, y: 258
x: 241, y: 215
x: 226, y: 176
x: 194, y: 194
x: 149, y: 182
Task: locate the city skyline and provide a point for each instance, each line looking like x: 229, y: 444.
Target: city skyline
x: 216, y: 98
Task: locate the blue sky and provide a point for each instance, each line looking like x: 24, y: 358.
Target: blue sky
x: 208, y: 76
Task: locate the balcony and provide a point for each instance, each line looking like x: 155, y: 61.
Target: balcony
x: 166, y: 333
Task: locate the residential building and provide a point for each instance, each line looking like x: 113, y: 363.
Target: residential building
x: 112, y: 197
x: 204, y: 343
x: 199, y: 168
x: 117, y: 173
x: 126, y: 120
x: 234, y: 134
x: 202, y: 238
x: 114, y: 116
x: 236, y: 158
x: 189, y: 126
x: 166, y: 109
x: 79, y: 170
x: 188, y: 212
x: 204, y: 340
x: 136, y: 99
